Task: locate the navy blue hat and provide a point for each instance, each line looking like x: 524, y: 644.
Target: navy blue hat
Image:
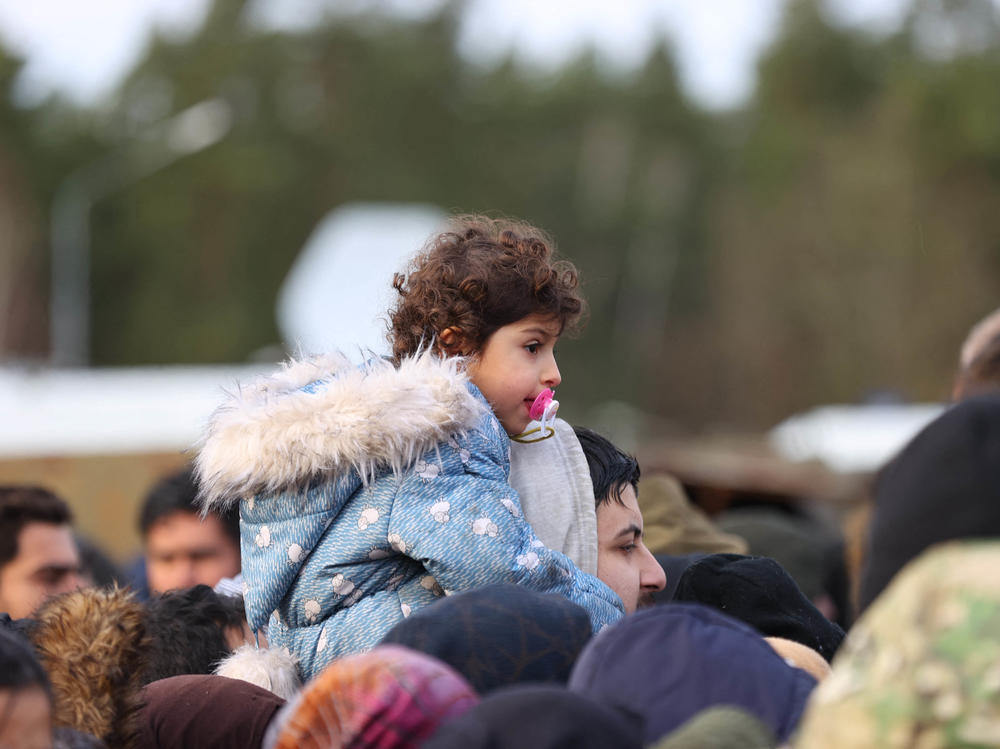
x: 540, y: 717
x: 670, y: 662
x: 499, y: 635
x: 19, y: 664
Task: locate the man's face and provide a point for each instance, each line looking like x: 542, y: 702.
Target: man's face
x: 27, y: 718
x: 183, y: 550
x: 47, y: 563
x: 623, y: 561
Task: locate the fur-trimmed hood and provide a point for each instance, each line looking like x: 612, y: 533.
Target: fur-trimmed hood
x: 270, y: 668
x: 93, y: 643
x: 326, y: 417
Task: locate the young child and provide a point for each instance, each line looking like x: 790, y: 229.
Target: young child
x: 368, y: 492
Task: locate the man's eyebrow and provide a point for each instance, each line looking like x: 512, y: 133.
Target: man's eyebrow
x: 61, y: 569
x: 187, y: 551
x: 633, y: 530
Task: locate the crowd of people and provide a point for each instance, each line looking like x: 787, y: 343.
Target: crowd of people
x: 418, y: 552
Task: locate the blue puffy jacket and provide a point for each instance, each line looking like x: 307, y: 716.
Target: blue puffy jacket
x: 368, y: 492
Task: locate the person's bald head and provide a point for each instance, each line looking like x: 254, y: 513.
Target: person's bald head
x: 979, y: 338
x: 979, y: 363
x: 982, y: 375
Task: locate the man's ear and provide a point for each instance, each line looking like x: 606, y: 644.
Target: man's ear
x: 451, y: 341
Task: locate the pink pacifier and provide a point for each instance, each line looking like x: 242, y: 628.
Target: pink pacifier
x: 544, y: 407
x: 543, y: 410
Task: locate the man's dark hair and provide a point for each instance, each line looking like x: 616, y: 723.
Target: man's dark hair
x: 97, y: 564
x: 611, y: 470
x: 188, y: 631
x: 20, y: 505
x: 178, y: 492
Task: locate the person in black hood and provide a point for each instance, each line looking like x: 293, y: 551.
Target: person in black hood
x: 544, y: 716
x: 499, y: 635
x: 944, y: 485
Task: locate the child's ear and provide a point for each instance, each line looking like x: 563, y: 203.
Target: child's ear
x: 451, y: 341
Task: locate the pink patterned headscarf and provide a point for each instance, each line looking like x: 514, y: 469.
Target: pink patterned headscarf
x: 389, y: 698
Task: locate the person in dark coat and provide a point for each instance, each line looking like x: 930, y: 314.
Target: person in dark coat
x: 541, y: 717
x: 943, y: 486
x: 669, y: 663
x: 755, y: 590
x: 205, y: 710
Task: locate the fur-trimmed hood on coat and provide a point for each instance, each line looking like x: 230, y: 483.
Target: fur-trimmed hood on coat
x: 94, y: 643
x: 325, y: 417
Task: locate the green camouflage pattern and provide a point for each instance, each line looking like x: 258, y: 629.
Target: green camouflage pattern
x: 724, y: 727
x: 921, y: 668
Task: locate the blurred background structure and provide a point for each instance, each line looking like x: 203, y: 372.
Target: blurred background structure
x: 817, y: 225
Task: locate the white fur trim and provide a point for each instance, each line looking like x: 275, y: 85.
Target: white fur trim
x: 272, y: 669
x: 272, y: 435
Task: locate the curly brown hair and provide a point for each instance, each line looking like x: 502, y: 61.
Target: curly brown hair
x: 481, y: 274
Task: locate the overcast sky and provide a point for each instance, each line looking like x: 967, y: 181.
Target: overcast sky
x: 84, y: 48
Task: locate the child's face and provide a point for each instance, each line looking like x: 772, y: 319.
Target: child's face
x: 516, y: 363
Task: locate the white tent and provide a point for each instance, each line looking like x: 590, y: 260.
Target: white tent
x: 110, y: 411
x: 336, y: 295
x: 852, y: 438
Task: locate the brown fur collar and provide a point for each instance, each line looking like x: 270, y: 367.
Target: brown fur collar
x: 93, y: 644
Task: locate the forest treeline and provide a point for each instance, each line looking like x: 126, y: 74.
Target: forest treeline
x: 836, y: 235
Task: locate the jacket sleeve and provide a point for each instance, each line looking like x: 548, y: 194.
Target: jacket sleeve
x: 351, y: 630
x: 456, y: 513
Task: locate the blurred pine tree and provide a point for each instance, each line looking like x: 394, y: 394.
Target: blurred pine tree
x: 836, y: 235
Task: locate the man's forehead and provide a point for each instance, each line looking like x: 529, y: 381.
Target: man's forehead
x: 185, y: 547
x: 185, y: 531
x: 46, y: 544
x: 185, y: 523
x: 630, y: 504
x: 618, y: 517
